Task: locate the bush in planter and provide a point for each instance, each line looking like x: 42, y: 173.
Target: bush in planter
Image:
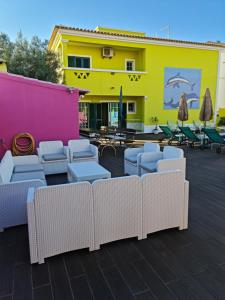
x: 221, y: 121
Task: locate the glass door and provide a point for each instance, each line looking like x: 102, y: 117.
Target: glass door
x: 113, y: 114
x: 84, y: 115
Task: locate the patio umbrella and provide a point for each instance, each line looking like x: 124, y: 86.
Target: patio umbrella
x: 206, y: 112
x: 120, y: 117
x: 183, y: 109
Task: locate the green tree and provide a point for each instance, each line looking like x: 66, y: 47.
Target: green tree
x: 31, y: 59
x: 6, y: 47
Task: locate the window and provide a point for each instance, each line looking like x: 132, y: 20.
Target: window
x: 131, y: 107
x: 130, y: 64
x: 79, y: 62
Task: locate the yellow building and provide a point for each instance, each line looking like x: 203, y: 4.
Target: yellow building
x: 3, y: 67
x: 153, y: 73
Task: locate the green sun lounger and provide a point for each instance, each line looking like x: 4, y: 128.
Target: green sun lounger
x: 170, y: 135
x: 190, y: 136
x: 215, y: 138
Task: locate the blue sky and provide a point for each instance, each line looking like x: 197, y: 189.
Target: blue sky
x: 189, y: 20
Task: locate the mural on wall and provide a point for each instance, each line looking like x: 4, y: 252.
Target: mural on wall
x: 178, y: 81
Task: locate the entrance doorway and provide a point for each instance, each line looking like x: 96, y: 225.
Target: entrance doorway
x: 101, y: 114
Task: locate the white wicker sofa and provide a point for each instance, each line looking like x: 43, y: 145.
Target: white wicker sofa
x: 17, y: 175
x: 132, y: 157
x: 105, y: 211
x: 53, y: 156
x: 171, y: 158
x: 82, y: 150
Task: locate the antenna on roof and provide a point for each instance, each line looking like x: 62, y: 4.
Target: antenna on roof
x: 165, y: 30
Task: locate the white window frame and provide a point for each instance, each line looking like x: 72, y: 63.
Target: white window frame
x: 135, y: 107
x: 133, y: 61
x: 81, y: 55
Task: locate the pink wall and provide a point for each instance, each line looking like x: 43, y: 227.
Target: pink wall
x: 47, y: 111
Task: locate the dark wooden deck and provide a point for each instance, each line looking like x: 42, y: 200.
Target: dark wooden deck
x: 171, y: 264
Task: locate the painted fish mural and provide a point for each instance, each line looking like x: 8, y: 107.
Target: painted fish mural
x: 171, y: 104
x: 177, y: 80
x: 191, y: 99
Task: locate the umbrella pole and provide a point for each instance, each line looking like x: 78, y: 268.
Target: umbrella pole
x: 204, y: 135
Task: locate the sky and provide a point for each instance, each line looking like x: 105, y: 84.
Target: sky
x: 194, y: 20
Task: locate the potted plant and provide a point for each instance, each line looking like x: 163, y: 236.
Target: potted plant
x: 155, y: 121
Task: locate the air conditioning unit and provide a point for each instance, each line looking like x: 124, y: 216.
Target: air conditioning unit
x: 107, y: 52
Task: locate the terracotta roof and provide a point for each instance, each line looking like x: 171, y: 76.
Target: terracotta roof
x: 57, y: 27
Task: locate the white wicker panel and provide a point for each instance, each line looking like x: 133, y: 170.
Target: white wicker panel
x: 32, y: 230
x: 186, y: 204
x: 117, y: 209
x: 163, y: 201
x: 64, y: 217
x: 13, y: 197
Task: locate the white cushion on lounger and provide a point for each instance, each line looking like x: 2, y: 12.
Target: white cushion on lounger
x: 27, y: 176
x: 151, y: 167
x: 28, y: 168
x: 132, y: 159
x: 83, y: 154
x: 54, y: 156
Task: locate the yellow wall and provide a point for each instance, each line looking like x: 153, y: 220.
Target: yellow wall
x: 221, y: 112
x: 159, y: 57
x: 151, y: 60
x: 3, y: 67
x: 117, y: 62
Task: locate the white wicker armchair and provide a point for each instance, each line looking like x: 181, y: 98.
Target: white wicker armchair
x: 132, y: 157
x: 53, y: 156
x: 17, y: 175
x: 171, y: 158
x: 82, y: 150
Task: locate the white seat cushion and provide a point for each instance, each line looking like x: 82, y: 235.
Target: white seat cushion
x: 54, y: 156
x: 27, y: 176
x: 150, y: 167
x: 27, y: 168
x: 83, y: 154
x: 132, y: 159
